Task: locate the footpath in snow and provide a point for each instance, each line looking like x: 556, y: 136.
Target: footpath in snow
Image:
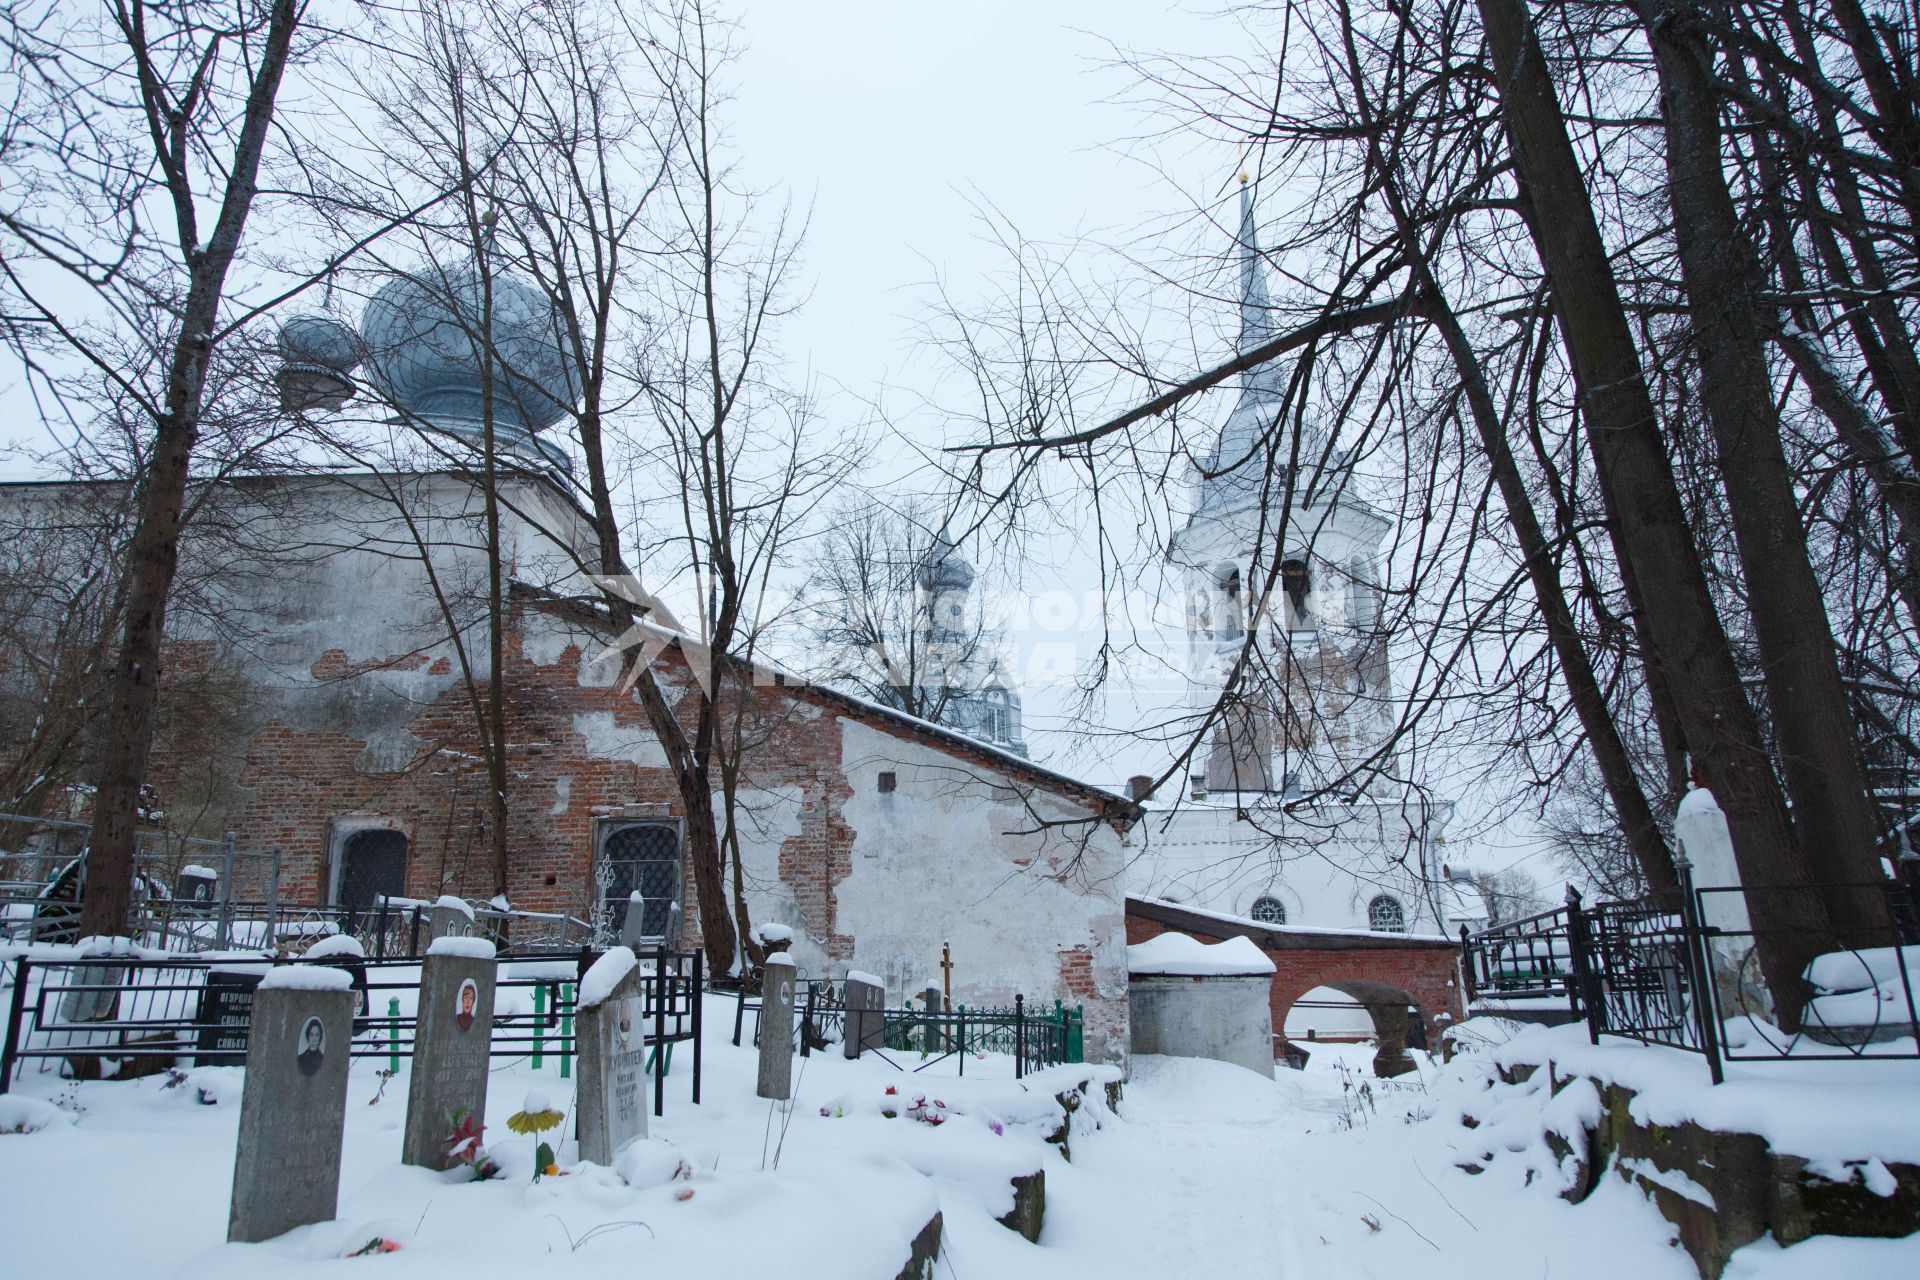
x: 1208, y: 1171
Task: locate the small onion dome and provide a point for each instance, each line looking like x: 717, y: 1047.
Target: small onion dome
x: 316, y: 355
x: 424, y: 336
x: 945, y: 569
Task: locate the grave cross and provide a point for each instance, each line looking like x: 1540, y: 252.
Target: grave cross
x: 946, y: 972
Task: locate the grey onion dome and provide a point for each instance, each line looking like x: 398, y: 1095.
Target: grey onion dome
x: 945, y: 569
x: 424, y: 336
x: 318, y: 341
x: 316, y: 355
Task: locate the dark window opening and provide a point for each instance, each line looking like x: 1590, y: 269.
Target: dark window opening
x: 1296, y: 582
x: 373, y: 865
x: 643, y: 858
x: 1269, y: 911
x: 888, y: 782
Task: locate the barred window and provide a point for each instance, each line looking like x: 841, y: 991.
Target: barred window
x: 1385, y: 915
x: 1269, y: 910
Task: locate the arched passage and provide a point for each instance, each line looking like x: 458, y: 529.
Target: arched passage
x: 1387, y: 973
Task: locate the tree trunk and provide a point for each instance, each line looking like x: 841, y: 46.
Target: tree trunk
x: 153, y: 553
x: 1683, y: 632
x: 1833, y: 810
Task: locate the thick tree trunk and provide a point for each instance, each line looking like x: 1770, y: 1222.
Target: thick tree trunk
x: 1683, y: 632
x: 1833, y: 810
x: 153, y: 553
x: 1631, y: 810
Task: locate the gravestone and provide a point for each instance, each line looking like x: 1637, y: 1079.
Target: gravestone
x: 611, y: 1035
x: 451, y: 1041
x: 450, y: 918
x: 293, y: 1107
x: 225, y: 1013
x: 866, y: 1025
x: 776, y: 1029
x: 633, y: 925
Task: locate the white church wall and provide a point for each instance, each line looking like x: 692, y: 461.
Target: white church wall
x: 951, y: 856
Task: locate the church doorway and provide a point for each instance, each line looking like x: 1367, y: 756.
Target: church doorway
x: 372, y: 865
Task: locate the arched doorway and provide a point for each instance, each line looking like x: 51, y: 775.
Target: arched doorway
x: 1391, y: 1012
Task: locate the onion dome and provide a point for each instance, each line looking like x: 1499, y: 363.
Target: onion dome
x: 424, y: 337
x: 944, y: 569
x: 316, y: 355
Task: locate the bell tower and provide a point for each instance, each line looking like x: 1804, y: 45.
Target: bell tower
x: 1279, y: 563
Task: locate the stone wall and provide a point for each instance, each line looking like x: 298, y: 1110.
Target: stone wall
x: 1220, y: 1017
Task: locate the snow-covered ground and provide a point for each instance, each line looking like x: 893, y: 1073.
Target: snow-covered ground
x: 1208, y: 1171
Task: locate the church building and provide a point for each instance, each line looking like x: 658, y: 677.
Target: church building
x: 1290, y: 819
x: 338, y: 627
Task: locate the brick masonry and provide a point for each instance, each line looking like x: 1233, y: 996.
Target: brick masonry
x: 1424, y: 974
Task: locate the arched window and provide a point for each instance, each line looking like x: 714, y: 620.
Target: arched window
x: 1296, y: 581
x: 1385, y: 915
x: 373, y: 865
x: 1268, y: 910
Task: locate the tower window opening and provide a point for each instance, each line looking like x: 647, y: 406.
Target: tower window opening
x: 1386, y: 915
x: 1296, y: 581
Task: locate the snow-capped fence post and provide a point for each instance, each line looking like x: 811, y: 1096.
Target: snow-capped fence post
x: 1699, y: 964
x: 865, y: 1023
x: 611, y: 1018
x: 776, y: 1029
x: 452, y: 1037
x: 224, y: 937
x: 293, y: 1106
x: 1019, y: 1036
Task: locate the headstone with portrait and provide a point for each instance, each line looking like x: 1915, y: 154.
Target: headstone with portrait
x: 610, y: 1025
x: 293, y: 1106
x: 452, y: 1038
x: 449, y: 917
x: 776, y: 1028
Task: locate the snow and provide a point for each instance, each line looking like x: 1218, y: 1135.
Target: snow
x: 1832, y: 1111
x: 196, y: 870
x: 301, y: 977
x: 1208, y: 1170
x: 30, y: 1115
x: 766, y: 933
x: 452, y: 903
x: 597, y: 984
x: 1176, y: 953
x: 340, y: 944
x: 861, y: 975
x: 465, y: 948
x: 783, y: 960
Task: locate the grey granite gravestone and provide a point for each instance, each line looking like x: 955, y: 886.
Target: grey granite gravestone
x: 776, y: 1029
x: 293, y: 1109
x: 611, y: 1036
x: 865, y: 1024
x: 633, y: 925
x: 449, y: 922
x: 451, y: 1041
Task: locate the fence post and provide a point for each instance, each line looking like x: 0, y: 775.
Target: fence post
x: 1908, y: 869
x: 699, y: 1000
x: 962, y: 1011
x: 380, y: 937
x: 16, y: 1013
x: 806, y: 1026
x: 1019, y: 1036
x: 539, y: 1022
x: 223, y: 937
x: 1585, y: 988
x: 566, y: 1031
x: 660, y: 1032
x: 393, y: 1034
x: 273, y: 903
x: 413, y: 938
x: 1706, y: 1013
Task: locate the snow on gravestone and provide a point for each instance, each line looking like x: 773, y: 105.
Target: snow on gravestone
x: 1701, y: 830
x: 611, y: 1028
x: 450, y: 917
x: 451, y: 1043
x: 293, y: 1107
x: 776, y: 1029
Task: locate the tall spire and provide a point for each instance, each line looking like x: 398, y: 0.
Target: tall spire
x: 1256, y: 311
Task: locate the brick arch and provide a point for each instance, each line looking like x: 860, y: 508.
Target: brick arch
x: 1374, y: 968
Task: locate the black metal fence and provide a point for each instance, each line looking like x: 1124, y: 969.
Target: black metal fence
x: 1682, y: 970
x: 1035, y: 1039
x: 144, y: 1015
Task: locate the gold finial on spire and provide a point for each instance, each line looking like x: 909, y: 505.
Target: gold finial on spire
x: 1243, y: 177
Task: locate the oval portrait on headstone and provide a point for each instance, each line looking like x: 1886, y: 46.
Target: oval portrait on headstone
x: 311, y: 1049
x: 469, y: 1000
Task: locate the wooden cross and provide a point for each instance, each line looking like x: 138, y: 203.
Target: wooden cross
x: 946, y: 972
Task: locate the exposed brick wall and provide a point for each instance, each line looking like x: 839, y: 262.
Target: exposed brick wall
x: 1426, y: 976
